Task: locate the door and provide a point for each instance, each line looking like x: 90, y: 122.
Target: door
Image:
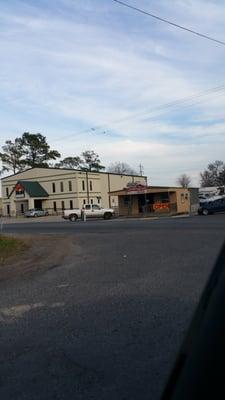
x: 96, y: 210
x: 92, y: 210
x: 88, y: 210
x: 221, y: 204
x: 38, y: 204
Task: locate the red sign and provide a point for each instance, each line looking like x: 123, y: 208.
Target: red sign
x: 19, y: 187
x: 161, y: 206
x: 135, y: 188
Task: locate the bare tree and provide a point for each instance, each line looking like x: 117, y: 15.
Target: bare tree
x: 121, y: 168
x: 184, y: 180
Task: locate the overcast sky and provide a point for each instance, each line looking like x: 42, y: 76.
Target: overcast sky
x: 90, y: 74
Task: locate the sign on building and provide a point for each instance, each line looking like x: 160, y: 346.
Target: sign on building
x: 136, y: 188
x: 19, y: 191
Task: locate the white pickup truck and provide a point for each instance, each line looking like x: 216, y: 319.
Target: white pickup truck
x: 90, y: 210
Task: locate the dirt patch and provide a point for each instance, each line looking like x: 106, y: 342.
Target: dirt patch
x: 40, y: 254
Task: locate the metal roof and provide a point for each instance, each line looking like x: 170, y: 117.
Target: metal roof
x: 75, y: 170
x: 33, y: 188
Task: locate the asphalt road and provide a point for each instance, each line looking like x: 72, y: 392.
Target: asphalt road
x: 108, y: 323
x: 40, y: 226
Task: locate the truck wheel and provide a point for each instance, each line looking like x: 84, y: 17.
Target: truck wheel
x: 205, y: 211
x: 107, y: 215
x: 73, y: 217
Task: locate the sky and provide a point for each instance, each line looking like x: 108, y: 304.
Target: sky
x: 93, y: 75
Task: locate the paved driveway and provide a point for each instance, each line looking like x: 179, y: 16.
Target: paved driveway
x: 105, y: 323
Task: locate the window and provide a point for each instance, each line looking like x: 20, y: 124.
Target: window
x: 61, y: 186
x: 7, y: 192
x: 95, y: 207
x: 90, y: 185
x: 164, y: 197
x: 83, y: 185
x: 8, y: 209
x: 84, y: 201
x: 63, y: 205
x: 70, y: 186
x: 99, y: 201
x: 53, y: 187
x: 182, y: 197
x: 91, y: 201
x: 126, y: 200
x: 54, y: 206
x: 71, y: 204
x: 22, y: 208
x: 88, y: 207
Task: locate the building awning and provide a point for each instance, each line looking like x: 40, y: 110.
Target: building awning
x: 33, y: 188
x: 147, y: 190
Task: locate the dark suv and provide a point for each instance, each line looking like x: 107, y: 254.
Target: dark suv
x: 212, y: 205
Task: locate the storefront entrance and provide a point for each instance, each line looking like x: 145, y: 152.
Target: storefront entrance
x: 21, y: 207
x: 153, y: 202
x: 38, y: 204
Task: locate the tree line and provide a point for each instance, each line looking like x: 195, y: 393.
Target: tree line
x: 213, y: 175
x: 32, y: 150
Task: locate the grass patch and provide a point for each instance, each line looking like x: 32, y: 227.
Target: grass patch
x: 10, y: 246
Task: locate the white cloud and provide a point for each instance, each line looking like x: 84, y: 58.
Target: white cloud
x: 84, y: 64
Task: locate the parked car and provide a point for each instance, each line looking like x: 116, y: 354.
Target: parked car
x: 35, y: 212
x: 212, y: 205
x: 90, y: 210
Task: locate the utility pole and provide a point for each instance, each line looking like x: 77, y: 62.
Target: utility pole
x: 87, y: 183
x: 141, y: 169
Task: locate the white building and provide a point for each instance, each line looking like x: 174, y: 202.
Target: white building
x: 56, y: 189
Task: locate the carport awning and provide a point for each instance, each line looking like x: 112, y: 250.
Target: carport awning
x: 34, y: 189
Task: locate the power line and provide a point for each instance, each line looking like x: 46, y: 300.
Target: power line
x: 169, y: 22
x: 175, y: 103
x: 160, y: 109
x: 153, y: 115
x: 153, y: 112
